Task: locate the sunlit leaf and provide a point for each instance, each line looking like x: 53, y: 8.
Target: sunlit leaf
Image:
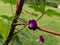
x: 51, y: 12
x: 4, y: 28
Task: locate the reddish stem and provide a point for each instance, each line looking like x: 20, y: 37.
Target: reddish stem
x: 18, y: 24
x: 19, y: 9
x: 17, y: 4
x: 49, y: 31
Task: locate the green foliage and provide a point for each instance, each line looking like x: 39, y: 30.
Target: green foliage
x: 34, y: 14
x: 6, y: 17
x: 16, y: 40
x: 9, y: 1
x: 30, y: 13
x: 40, y: 8
x: 22, y: 20
x: 49, y: 23
x: 4, y: 27
x: 35, y: 7
x: 1, y: 37
x: 24, y: 34
x: 56, y: 1
x: 51, y: 12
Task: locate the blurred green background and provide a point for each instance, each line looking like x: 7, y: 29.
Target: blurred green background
x: 27, y: 36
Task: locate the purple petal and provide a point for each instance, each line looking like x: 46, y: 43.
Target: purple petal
x: 41, y: 39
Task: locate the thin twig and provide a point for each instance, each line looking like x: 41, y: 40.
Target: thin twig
x: 40, y: 17
x: 49, y: 31
x: 18, y: 24
x: 19, y: 30
x: 27, y: 11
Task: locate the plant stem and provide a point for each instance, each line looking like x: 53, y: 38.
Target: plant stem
x: 49, y: 31
x: 19, y: 24
x: 18, y: 11
x: 19, y: 30
x: 40, y: 17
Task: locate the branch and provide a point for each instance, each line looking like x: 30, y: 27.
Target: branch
x: 18, y: 24
x: 19, y: 30
x: 40, y: 16
x: 49, y: 31
x: 18, y: 11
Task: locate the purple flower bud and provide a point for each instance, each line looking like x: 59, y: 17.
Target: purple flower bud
x: 32, y: 24
x: 41, y: 39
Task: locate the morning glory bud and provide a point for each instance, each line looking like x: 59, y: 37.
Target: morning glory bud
x: 41, y: 39
x: 32, y: 24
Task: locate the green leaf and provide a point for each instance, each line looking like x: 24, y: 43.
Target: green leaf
x: 1, y: 37
x: 51, y: 12
x: 9, y: 1
x: 16, y: 40
x: 42, y: 8
x: 4, y: 28
x: 22, y: 19
x: 39, y: 8
x: 6, y: 17
x: 24, y: 34
x: 35, y: 7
